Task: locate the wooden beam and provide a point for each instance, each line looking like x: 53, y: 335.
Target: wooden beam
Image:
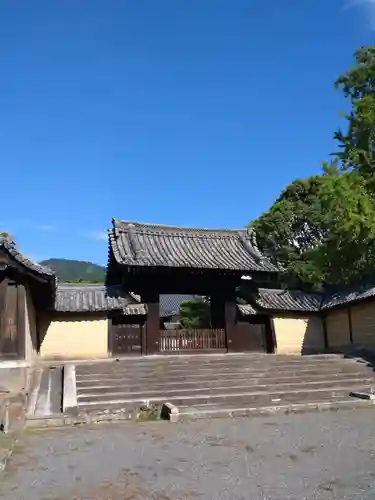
x: 152, y: 322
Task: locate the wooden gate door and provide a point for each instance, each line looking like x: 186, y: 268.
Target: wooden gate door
x: 249, y: 338
x: 126, y: 339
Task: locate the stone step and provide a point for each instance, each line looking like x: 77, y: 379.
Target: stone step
x: 235, y: 402
x: 272, y: 398
x: 170, y: 392
x: 193, y: 358
x: 50, y: 420
x: 209, y: 360
x: 262, y: 397
x: 201, y: 379
x: 212, y: 387
x: 105, y: 368
x: 217, y: 384
x: 235, y: 379
x: 225, y: 411
x: 123, y: 369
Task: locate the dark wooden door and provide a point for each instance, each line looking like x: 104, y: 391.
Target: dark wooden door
x: 126, y: 339
x: 249, y: 338
x: 12, y: 325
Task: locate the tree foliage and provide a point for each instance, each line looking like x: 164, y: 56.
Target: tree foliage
x: 357, y: 145
x: 195, y: 314
x: 322, y: 229
x: 290, y: 230
x: 346, y: 253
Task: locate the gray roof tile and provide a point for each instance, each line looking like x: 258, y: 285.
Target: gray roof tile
x: 135, y: 310
x: 9, y: 246
x: 288, y: 300
x: 247, y: 309
x: 77, y: 297
x: 138, y: 244
x: 170, y: 304
x: 361, y: 292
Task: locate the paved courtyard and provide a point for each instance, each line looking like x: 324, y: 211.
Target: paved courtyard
x: 307, y: 456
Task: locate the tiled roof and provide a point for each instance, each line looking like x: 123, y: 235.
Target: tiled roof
x: 170, y: 304
x: 9, y: 246
x: 288, y: 300
x: 77, y: 297
x: 343, y: 297
x: 138, y: 244
x: 247, y: 309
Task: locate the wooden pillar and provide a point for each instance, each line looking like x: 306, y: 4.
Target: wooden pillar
x: 21, y: 322
x: 3, y: 291
x: 271, y: 344
x: 152, y: 322
x: 230, y: 309
x: 325, y: 331
x: 350, y: 325
x: 217, y: 311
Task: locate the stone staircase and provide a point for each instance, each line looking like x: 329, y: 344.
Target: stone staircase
x: 218, y: 385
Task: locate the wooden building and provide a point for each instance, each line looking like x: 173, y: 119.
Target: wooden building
x: 27, y: 289
x: 151, y: 260
x: 41, y: 318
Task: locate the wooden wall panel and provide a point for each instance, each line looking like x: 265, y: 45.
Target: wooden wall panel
x: 338, y: 328
x: 9, y: 330
x: 363, y: 322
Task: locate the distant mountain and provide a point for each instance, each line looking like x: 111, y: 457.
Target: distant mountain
x: 76, y: 270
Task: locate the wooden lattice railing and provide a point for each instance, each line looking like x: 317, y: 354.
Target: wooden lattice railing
x: 188, y: 340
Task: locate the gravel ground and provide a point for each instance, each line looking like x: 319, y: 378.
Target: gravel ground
x: 312, y: 456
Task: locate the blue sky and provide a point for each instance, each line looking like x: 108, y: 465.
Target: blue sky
x: 191, y: 112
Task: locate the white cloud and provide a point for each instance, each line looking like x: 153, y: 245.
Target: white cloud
x: 100, y: 235
x: 44, y: 227
x: 27, y: 225
x: 367, y: 5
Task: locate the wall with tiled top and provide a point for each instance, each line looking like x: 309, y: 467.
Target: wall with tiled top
x: 298, y: 333
x: 74, y: 336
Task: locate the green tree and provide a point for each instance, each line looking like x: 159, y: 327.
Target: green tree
x: 347, y: 251
x: 357, y: 145
x: 291, y: 229
x: 195, y: 314
x: 322, y: 229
